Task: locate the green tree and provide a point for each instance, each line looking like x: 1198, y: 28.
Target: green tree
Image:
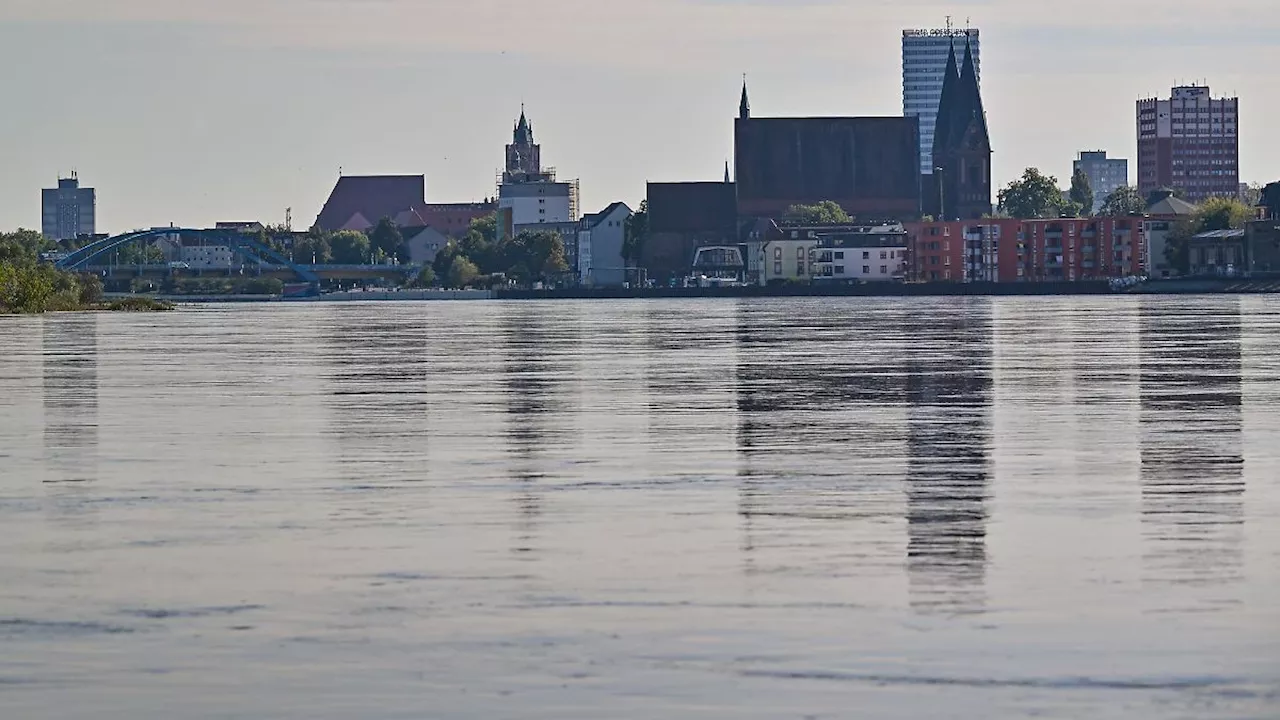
x: 533, y: 256
x: 1082, y: 192
x: 444, y: 259
x: 350, y: 247
x: 1034, y: 195
x: 487, y: 226
x: 313, y: 248
x: 826, y: 212
x: 1251, y: 195
x: 23, y: 247
x: 140, y: 252
x: 274, y: 236
x: 387, y: 239
x: 90, y: 289
x: 1123, y: 202
x: 25, y: 288
x: 1216, y: 213
x: 462, y: 272
x: 426, y: 277
x: 637, y: 232
x: 1222, y: 213
x: 262, y: 286
x: 480, y: 249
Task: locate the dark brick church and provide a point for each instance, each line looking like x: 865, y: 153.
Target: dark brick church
x: 870, y: 166
x: 960, y: 187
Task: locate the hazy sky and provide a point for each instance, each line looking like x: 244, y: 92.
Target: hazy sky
x: 194, y: 111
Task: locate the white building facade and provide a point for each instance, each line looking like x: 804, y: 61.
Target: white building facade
x: 539, y: 202
x: 600, y: 261
x: 787, y: 259
x: 924, y: 64
x: 208, y: 257
x: 862, y: 264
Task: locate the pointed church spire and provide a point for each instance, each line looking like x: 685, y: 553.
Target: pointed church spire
x: 971, y: 94
x: 744, y: 105
x: 523, y: 133
x: 947, y: 105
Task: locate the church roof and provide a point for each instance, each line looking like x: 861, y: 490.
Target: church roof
x: 947, y: 105
x: 972, y: 95
x: 960, y: 109
x: 524, y: 131
x: 371, y: 196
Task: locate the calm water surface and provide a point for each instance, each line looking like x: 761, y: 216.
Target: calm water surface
x: 1058, y: 508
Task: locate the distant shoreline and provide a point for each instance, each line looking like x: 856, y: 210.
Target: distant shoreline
x: 1062, y: 289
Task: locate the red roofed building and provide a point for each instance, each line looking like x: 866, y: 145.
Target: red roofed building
x: 454, y: 218
x: 358, y: 202
x: 366, y: 199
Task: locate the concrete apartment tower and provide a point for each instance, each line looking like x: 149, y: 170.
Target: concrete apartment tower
x: 1106, y: 175
x: 1189, y: 142
x: 924, y: 65
x: 68, y: 210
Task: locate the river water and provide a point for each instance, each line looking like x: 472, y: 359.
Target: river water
x: 904, y: 508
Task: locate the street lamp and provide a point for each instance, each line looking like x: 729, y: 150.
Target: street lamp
x: 938, y: 171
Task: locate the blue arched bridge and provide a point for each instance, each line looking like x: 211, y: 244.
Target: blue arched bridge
x: 241, y: 243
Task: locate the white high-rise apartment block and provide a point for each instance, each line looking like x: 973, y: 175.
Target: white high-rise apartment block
x: 924, y: 64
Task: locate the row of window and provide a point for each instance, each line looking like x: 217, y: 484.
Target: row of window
x: 801, y: 253
x: 866, y: 270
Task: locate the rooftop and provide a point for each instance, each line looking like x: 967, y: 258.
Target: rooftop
x: 1220, y: 235
x: 1172, y: 206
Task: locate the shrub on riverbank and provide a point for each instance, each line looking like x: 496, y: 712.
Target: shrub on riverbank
x: 28, y: 285
x: 40, y: 288
x: 138, y: 304
x: 226, y: 286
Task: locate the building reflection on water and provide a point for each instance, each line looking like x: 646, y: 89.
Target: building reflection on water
x: 533, y: 370
x: 949, y: 438
x: 377, y: 371
x: 867, y: 416
x: 1192, y: 442
x: 70, y: 384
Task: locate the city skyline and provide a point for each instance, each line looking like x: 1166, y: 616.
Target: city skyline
x: 213, y: 110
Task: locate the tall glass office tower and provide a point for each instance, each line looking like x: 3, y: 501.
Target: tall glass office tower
x: 924, y: 63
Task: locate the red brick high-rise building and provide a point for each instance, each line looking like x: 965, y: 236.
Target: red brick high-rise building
x: 1189, y: 142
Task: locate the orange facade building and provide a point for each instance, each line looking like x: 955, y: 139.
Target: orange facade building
x: 1010, y: 250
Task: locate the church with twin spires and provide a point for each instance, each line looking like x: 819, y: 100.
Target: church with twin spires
x: 960, y: 187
